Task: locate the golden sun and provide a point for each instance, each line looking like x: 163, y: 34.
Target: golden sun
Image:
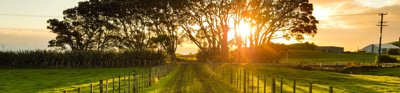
x: 244, y: 30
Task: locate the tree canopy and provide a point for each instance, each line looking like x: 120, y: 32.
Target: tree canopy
x: 163, y: 24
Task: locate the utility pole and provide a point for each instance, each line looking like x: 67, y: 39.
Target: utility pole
x: 380, y: 35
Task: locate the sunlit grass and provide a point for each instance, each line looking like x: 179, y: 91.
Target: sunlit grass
x: 311, y: 57
x: 341, y: 82
x: 51, y: 80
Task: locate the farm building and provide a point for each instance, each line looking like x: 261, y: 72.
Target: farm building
x: 330, y: 49
x: 374, y: 48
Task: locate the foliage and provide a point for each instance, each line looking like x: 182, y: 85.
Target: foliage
x: 358, y: 70
x: 208, y: 22
x: 394, y: 52
x: 209, y: 56
x: 397, y: 43
x: 291, y: 17
x: 386, y: 59
x: 83, y: 28
x: 154, y: 24
x: 123, y: 24
x: 81, y: 59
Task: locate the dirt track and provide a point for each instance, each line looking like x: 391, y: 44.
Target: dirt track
x: 191, y: 78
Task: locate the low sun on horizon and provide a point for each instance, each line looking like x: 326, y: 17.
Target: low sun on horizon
x: 244, y: 30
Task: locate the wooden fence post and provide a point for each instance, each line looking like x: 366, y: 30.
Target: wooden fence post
x: 141, y: 81
x: 150, y: 77
x: 245, y: 80
x: 106, y: 86
x: 65, y: 91
x: 79, y: 90
x: 124, y: 82
x: 330, y: 89
x: 281, y: 85
x: 258, y: 83
x: 240, y: 80
x: 158, y: 73
x: 252, y: 82
x: 248, y: 80
x: 237, y: 78
x: 101, y: 86
x: 129, y: 83
x: 310, y: 90
x: 294, y: 86
x: 231, y: 70
x: 113, y: 85
x: 273, y: 85
x: 265, y: 84
x: 119, y: 83
x: 91, y: 88
x: 134, y: 82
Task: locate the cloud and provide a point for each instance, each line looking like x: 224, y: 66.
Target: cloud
x: 23, y: 39
x: 352, y: 23
x: 376, y: 3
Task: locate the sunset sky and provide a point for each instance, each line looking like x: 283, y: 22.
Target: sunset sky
x: 347, y: 23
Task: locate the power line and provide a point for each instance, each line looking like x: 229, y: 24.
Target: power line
x: 355, y: 14
x: 29, y: 15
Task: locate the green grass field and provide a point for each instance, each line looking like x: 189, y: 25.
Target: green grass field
x: 51, y: 80
x: 381, y: 82
x: 195, y: 78
x: 307, y: 56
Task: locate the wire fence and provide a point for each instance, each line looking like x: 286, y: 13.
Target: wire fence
x: 245, y: 80
x: 133, y: 82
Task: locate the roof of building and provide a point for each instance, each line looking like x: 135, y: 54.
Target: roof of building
x: 387, y: 45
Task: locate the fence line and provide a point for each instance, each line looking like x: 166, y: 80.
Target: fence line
x: 247, y: 81
x: 135, y: 81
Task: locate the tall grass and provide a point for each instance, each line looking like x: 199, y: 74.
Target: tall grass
x: 80, y: 59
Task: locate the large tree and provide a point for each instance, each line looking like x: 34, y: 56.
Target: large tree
x: 125, y: 24
x: 165, y: 25
x: 291, y: 17
x: 83, y: 28
x: 207, y: 25
x: 208, y: 21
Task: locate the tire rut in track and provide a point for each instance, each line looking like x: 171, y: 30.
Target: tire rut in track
x: 191, y: 78
x: 177, y: 81
x: 207, y: 88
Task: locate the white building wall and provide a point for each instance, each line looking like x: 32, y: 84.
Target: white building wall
x: 375, y: 49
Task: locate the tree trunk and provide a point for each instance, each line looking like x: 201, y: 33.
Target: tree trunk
x: 224, y: 45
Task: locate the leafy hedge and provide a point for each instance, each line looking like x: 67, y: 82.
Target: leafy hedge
x: 80, y: 59
x: 386, y: 59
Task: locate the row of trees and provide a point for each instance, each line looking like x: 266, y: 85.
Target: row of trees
x: 293, y: 18
x: 80, y: 59
x: 124, y: 24
x: 163, y: 24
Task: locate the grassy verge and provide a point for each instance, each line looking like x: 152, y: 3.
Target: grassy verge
x: 163, y: 82
x: 395, y: 72
x: 341, y: 82
x: 307, y: 56
x: 52, y: 80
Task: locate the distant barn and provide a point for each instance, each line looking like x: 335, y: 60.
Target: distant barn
x: 374, y: 48
x: 330, y: 49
